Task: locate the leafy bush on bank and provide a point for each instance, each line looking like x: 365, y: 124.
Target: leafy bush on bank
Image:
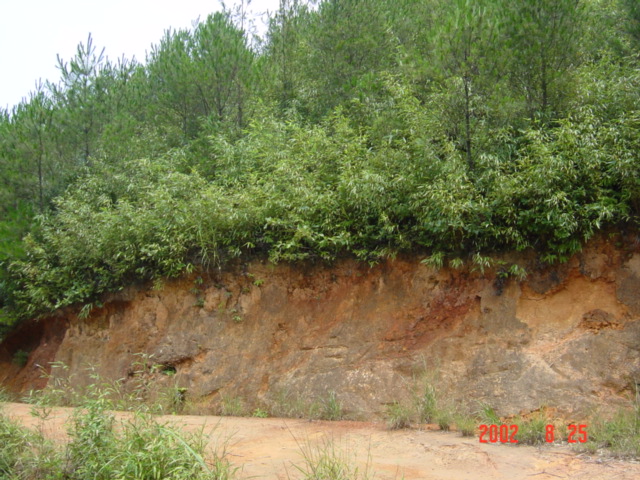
x: 293, y: 191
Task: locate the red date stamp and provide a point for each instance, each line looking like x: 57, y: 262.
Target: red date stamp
x: 502, y: 433
x: 508, y: 433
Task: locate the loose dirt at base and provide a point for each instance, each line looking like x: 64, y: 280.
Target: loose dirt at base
x: 269, y: 448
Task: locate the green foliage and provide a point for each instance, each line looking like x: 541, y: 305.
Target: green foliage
x: 102, y: 448
x: 398, y: 416
x: 332, y: 137
x: 201, y: 76
x: 327, y: 461
x: 543, y: 38
x: 465, y: 424
x: 331, y: 408
x: 232, y: 406
x: 20, y: 358
x: 260, y: 413
x: 632, y: 24
x: 14, y: 441
x: 427, y: 404
x: 618, y: 435
x: 532, y: 430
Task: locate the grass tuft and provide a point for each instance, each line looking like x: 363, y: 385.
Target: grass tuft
x: 619, y: 436
x: 465, y: 424
x: 331, y: 408
x: 427, y: 404
x: 102, y: 448
x: 532, y: 430
x: 326, y: 461
x: 398, y: 416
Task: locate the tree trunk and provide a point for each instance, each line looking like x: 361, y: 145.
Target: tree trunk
x: 467, y: 121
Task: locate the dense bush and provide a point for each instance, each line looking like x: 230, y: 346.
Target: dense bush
x: 294, y: 192
x: 443, y: 137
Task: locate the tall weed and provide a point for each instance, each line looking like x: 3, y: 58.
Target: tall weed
x: 327, y: 461
x: 101, y: 448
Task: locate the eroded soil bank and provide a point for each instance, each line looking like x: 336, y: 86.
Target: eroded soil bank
x: 567, y: 337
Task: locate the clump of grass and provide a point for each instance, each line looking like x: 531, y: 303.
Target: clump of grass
x: 27, y: 454
x: 14, y: 441
x: 465, y: 424
x: 162, y: 449
x: 398, y: 416
x: 198, y: 406
x: 488, y: 416
x: 292, y: 405
x: 532, y: 430
x: 101, y: 448
x: 150, y: 386
x: 427, y: 404
x: 430, y: 408
x: 620, y: 435
x: 331, y: 408
x: 280, y: 403
x: 445, y: 418
x: 260, y: 413
x: 5, y: 396
x: 93, y: 442
x: 232, y: 406
x: 326, y: 461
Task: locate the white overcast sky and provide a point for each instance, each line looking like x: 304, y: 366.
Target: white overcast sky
x: 34, y: 32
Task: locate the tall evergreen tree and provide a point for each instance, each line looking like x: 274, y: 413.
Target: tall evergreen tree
x: 222, y: 68
x: 82, y: 97
x: 465, y: 41
x: 542, y: 46
x: 349, y: 42
x: 285, y: 49
x: 204, y: 74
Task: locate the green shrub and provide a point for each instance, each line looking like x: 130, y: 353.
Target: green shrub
x: 14, y: 441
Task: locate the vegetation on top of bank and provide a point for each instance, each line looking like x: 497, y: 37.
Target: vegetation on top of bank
x: 457, y: 128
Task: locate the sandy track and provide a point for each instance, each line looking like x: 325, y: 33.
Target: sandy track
x: 268, y: 448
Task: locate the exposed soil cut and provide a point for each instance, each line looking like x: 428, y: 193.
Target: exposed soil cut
x: 567, y: 337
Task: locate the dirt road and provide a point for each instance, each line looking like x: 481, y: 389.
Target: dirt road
x: 269, y: 448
